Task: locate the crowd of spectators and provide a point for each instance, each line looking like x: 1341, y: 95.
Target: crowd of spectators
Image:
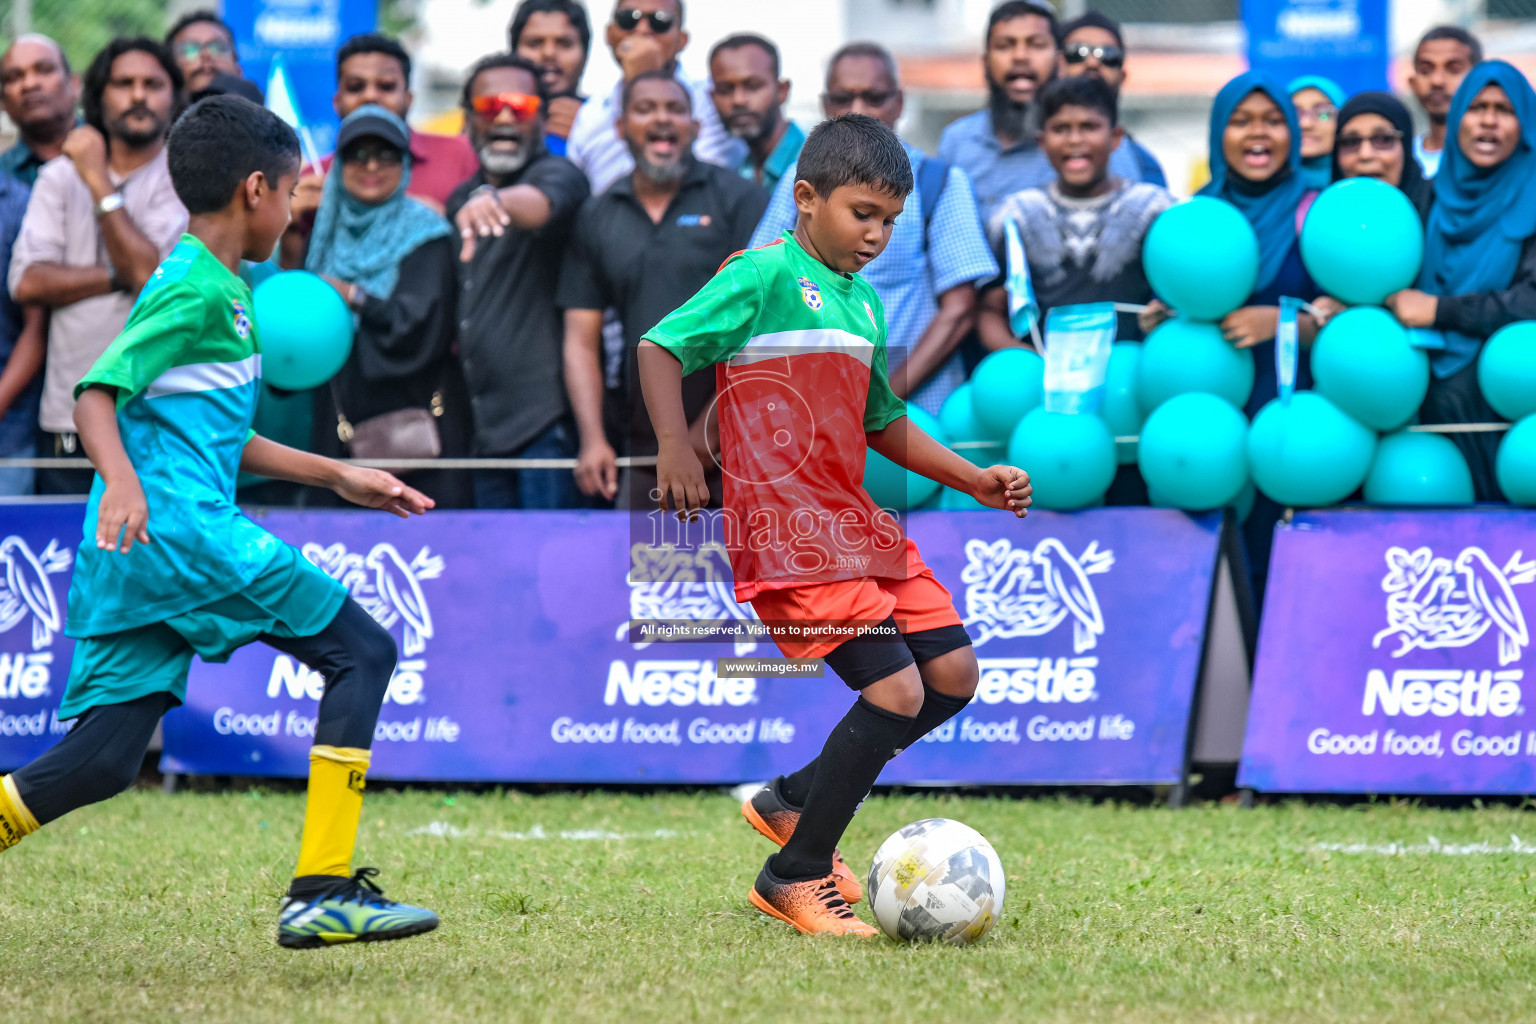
x: 502, y: 279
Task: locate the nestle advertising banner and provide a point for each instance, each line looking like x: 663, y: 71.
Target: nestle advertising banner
x: 517, y: 663
x: 1392, y: 656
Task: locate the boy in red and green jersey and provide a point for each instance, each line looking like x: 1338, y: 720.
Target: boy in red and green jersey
x: 798, y: 340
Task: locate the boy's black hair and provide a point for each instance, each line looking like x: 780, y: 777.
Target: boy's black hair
x: 203, y: 15
x: 874, y: 51
x: 855, y: 149
x: 219, y: 142
x: 570, y: 8
x: 373, y: 42
x: 1457, y: 33
x: 1078, y: 91
x: 742, y: 39
x: 100, y: 73
x: 501, y: 60
x: 653, y: 75
x: 1020, y: 9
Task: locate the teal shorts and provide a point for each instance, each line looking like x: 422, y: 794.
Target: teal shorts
x: 290, y: 597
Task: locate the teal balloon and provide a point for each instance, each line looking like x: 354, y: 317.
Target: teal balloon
x: 1194, y: 452
x: 957, y: 417
x: 1363, y: 363
x: 958, y: 501
x: 1201, y: 258
x: 1241, y: 506
x: 305, y: 330
x: 1006, y: 385
x: 1120, y: 408
x: 894, y: 487
x: 1506, y: 371
x: 1516, y: 463
x: 1418, y: 469
x: 1362, y: 241
x: 1308, y: 453
x: 1183, y: 355
x: 1070, y: 457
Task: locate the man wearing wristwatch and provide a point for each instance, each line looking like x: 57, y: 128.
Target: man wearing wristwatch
x: 102, y: 217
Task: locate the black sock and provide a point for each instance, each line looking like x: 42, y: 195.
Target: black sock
x: 849, y: 764
x: 796, y: 786
x: 937, y: 709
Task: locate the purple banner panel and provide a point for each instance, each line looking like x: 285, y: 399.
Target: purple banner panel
x: 37, y: 556
x: 1392, y: 656
x: 516, y: 663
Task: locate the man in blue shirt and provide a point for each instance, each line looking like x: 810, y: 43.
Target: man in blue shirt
x: 996, y: 145
x: 23, y: 339
x: 39, y: 95
x: 749, y: 96
x: 927, y: 276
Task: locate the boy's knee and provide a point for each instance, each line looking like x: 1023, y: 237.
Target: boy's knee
x: 376, y: 654
x: 955, y: 674
x: 900, y: 694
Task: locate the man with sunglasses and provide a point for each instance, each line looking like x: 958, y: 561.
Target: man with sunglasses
x: 514, y: 218
x: 996, y: 145
x: 644, y: 35
x: 1092, y: 44
x: 204, y: 47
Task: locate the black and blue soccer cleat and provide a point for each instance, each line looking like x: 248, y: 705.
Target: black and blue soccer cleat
x: 322, y: 912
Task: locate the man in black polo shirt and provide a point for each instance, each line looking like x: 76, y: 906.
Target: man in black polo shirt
x: 514, y: 218
x: 644, y: 247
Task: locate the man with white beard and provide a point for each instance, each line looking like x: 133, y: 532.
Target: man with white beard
x: 514, y: 216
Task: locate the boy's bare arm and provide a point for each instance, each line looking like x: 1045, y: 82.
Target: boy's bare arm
x: 122, y: 513
x: 905, y: 443
x: 678, y: 469
x: 371, y: 488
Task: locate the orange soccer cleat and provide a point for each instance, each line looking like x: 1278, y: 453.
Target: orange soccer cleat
x: 813, y: 906
x: 767, y: 812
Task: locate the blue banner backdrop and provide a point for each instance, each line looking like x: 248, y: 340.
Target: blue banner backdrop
x: 516, y: 662
x: 1343, y: 39
x: 1391, y: 656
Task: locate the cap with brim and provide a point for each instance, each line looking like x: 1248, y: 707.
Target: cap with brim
x: 372, y: 126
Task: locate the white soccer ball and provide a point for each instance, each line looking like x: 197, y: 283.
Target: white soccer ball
x: 936, y: 879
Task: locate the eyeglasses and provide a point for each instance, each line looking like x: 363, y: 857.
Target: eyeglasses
x: 383, y: 154
x: 1322, y: 115
x: 523, y: 106
x: 213, y: 48
x: 871, y: 98
x: 1381, y: 142
x: 1108, y: 56
x: 627, y: 19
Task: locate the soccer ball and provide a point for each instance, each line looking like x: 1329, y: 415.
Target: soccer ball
x: 936, y: 879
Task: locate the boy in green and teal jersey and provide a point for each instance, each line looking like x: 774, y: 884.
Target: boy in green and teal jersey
x: 798, y: 339
x: 170, y: 567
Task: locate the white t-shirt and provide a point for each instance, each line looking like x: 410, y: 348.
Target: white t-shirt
x: 1429, y: 159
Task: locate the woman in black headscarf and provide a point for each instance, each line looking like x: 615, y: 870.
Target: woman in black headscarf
x: 1373, y: 140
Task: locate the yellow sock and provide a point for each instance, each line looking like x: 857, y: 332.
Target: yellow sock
x: 16, y: 822
x: 335, y: 803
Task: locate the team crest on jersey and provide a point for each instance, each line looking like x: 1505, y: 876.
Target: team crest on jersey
x: 809, y: 293
x: 242, y: 321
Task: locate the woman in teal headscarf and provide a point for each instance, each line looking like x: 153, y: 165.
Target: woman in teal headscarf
x: 394, y: 262
x: 1479, y: 252
x: 1317, y: 101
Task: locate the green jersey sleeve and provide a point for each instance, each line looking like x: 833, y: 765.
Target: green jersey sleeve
x: 164, y: 324
x: 881, y: 407
x: 718, y: 321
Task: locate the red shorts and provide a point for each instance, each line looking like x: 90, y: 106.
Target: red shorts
x: 917, y: 603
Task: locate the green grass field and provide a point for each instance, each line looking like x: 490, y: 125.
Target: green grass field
x: 606, y: 907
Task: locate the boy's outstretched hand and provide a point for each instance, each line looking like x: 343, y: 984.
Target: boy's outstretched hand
x: 374, y: 488
x: 679, y: 473
x: 122, y: 513
x: 1005, y: 487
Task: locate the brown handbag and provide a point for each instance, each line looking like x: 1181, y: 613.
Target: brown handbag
x: 409, y: 433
